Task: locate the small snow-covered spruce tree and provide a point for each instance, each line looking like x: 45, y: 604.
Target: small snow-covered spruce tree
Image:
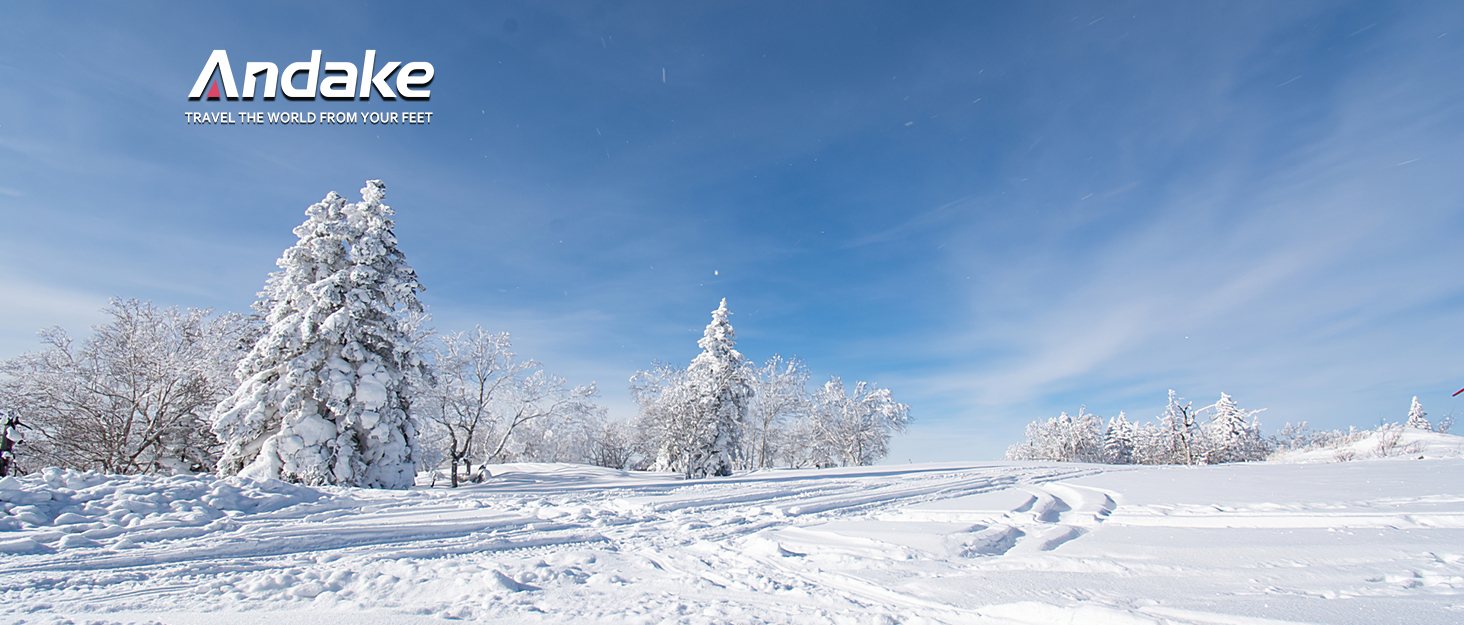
x: 1417, y: 418
x: 324, y: 394
x: 1118, y: 441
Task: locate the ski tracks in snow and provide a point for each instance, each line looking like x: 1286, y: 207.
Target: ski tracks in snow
x: 571, y: 531
x: 997, y: 543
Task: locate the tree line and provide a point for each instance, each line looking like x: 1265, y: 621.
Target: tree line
x: 335, y: 379
x: 1217, y: 433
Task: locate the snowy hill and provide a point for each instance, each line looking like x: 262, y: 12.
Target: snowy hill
x: 1388, y: 442
x: 1003, y: 542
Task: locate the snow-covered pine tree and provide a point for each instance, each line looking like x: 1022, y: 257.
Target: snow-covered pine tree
x: 10, y: 436
x: 1147, y: 449
x: 1118, y: 441
x: 1234, y: 437
x: 1417, y: 418
x: 324, y: 394
x: 722, y: 387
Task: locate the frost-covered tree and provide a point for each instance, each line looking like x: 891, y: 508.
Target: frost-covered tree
x: 131, y: 398
x: 854, y: 429
x: 537, y: 418
x: 1417, y: 418
x: 324, y: 395
x: 1180, y: 434
x: 1064, y: 439
x: 1119, y: 441
x: 10, y: 436
x: 1084, y: 442
x: 486, y: 404
x: 468, y: 372
x: 614, y: 446
x: 666, y: 423
x: 1234, y: 436
x: 780, y: 395
x: 799, y: 447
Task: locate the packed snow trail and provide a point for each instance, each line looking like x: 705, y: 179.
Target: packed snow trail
x: 1361, y: 542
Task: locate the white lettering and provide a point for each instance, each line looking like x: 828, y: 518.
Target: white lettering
x: 406, y: 81
x: 380, y: 80
x: 218, y: 60
x: 338, y: 86
x: 337, y: 80
x: 311, y: 69
x: 366, y: 69
x: 271, y: 79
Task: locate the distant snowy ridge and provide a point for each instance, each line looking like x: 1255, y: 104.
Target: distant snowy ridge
x: 1385, y: 442
x: 1223, y: 433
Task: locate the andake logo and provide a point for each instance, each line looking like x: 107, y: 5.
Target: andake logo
x: 336, y: 82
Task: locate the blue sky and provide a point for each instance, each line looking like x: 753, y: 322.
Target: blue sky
x: 998, y: 210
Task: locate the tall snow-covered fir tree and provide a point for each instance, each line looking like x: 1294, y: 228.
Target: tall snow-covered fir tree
x: 711, y: 408
x: 1417, y: 418
x: 324, y: 395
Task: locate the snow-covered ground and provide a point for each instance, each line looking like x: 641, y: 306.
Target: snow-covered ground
x: 1386, y: 442
x: 1379, y: 541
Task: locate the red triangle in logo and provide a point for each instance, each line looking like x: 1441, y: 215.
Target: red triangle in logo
x: 213, y: 90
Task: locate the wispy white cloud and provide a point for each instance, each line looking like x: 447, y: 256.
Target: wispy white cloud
x: 30, y: 307
x: 1299, y: 286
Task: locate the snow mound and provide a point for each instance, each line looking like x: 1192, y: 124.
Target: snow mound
x: 1386, y: 442
x: 59, y: 509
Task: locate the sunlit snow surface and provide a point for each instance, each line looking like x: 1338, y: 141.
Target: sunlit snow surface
x: 1378, y: 541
